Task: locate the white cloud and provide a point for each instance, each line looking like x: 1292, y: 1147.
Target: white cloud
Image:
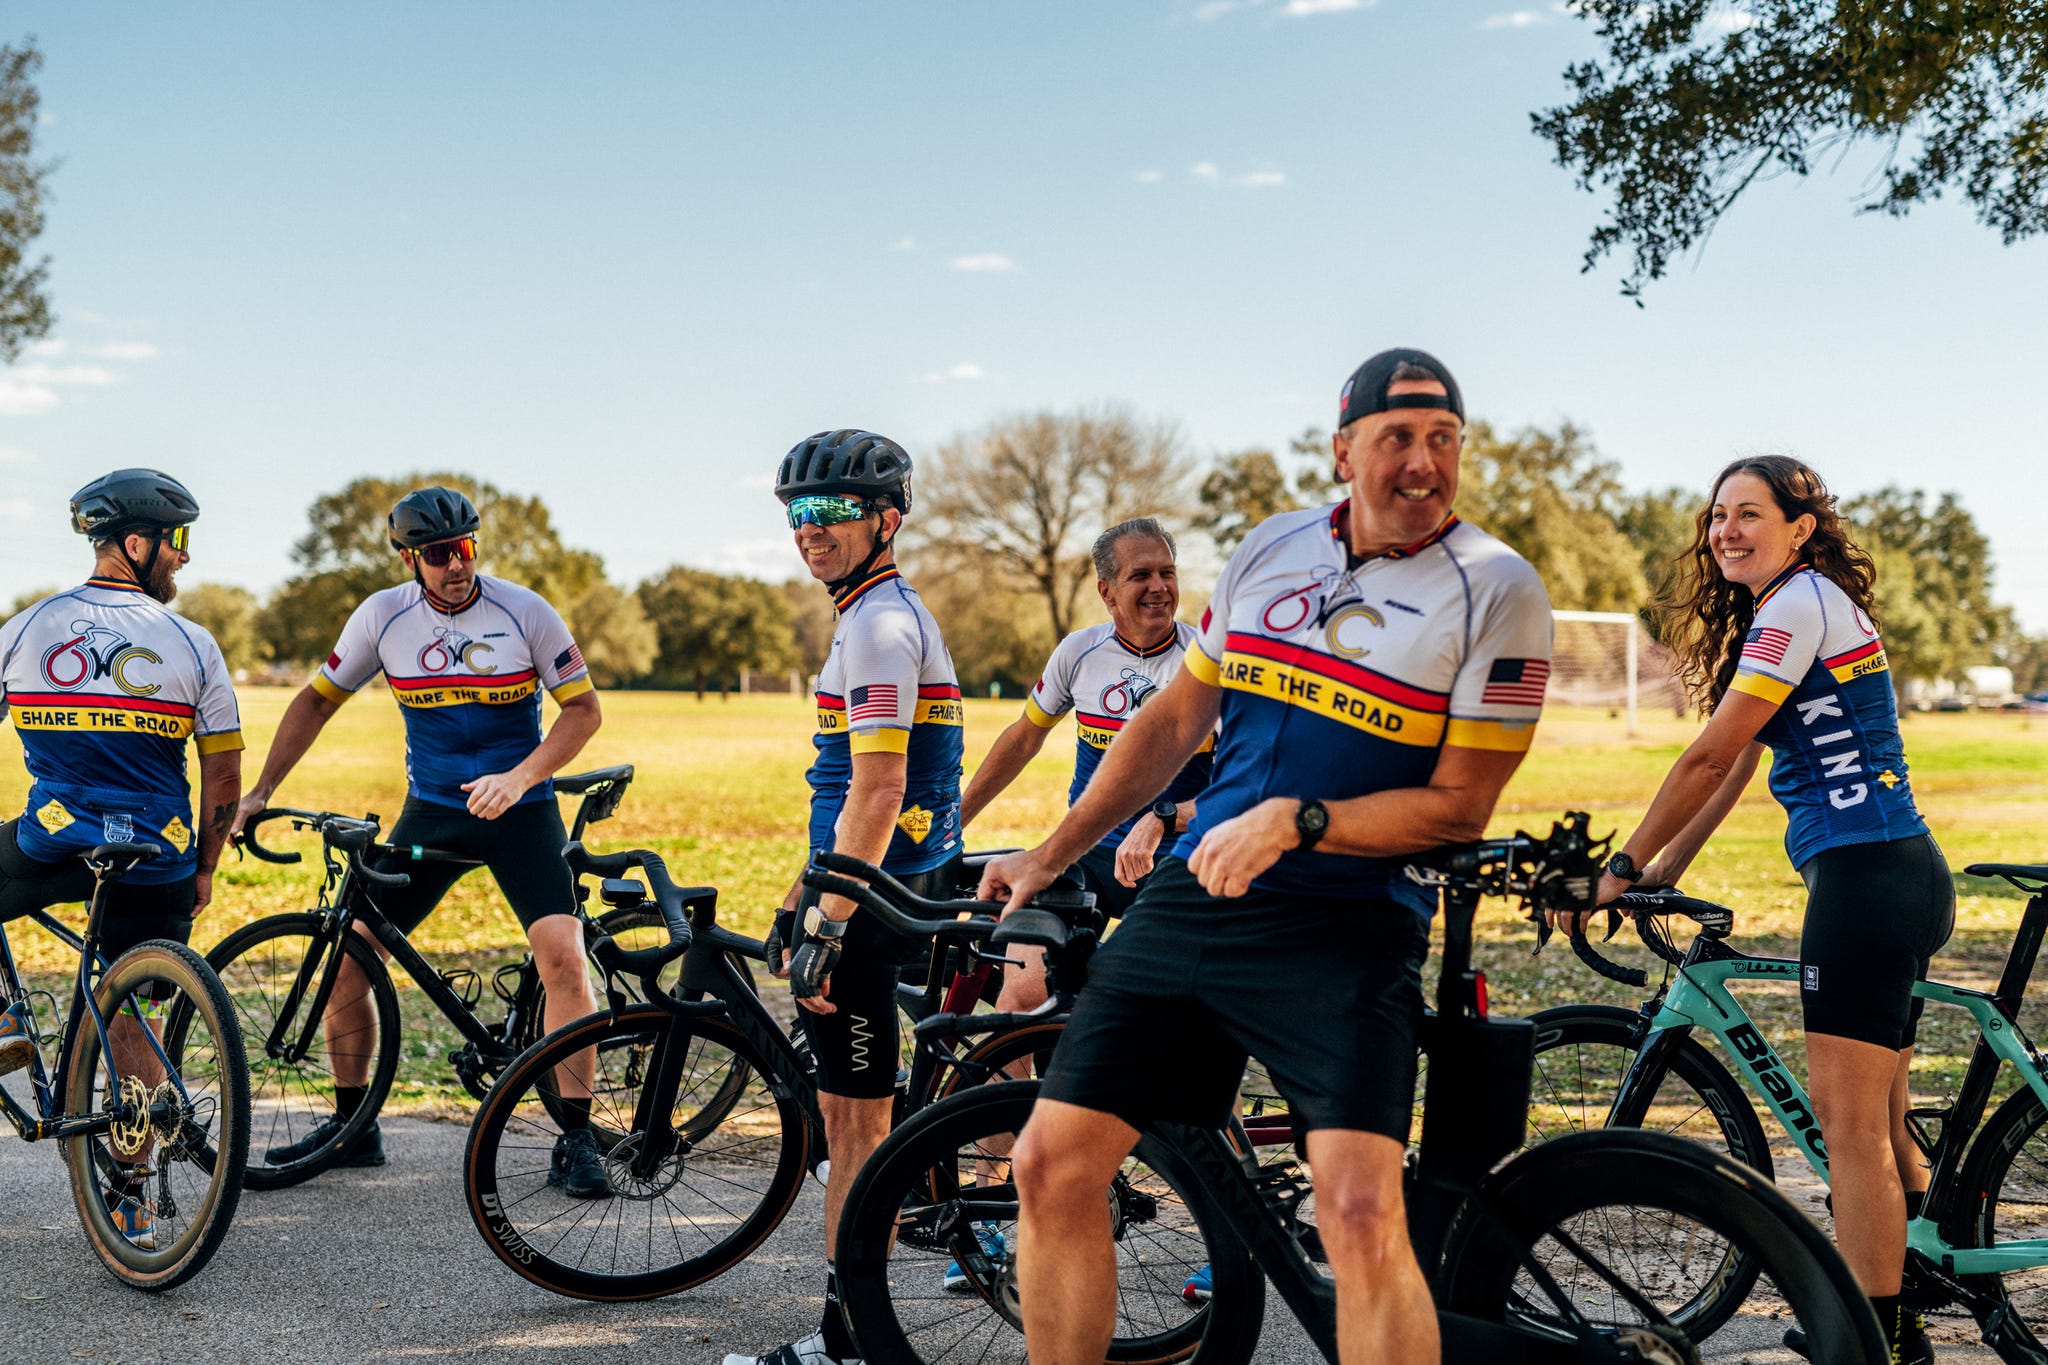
x: 1295, y: 9
x: 87, y: 315
x: 25, y: 400
x: 49, y: 346
x: 1521, y: 18
x: 966, y: 372
x: 1206, y: 172
x: 769, y: 558
x: 1150, y: 177
x: 1260, y: 180
x: 82, y: 376
x: 904, y: 244
x: 122, y: 350
x: 1728, y: 21
x: 986, y: 262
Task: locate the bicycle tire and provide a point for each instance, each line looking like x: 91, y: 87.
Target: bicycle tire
x: 602, y: 1249
x: 986, y: 1062
x: 2004, y: 1185
x: 257, y: 965
x: 1658, y: 1180
x: 195, y: 1149
x: 1164, y: 1233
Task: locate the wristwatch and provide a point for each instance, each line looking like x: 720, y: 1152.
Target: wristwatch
x: 1167, y: 812
x: 817, y: 925
x: 1624, y: 867
x: 1311, y: 821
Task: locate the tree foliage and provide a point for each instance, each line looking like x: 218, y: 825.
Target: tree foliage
x: 613, y: 632
x: 708, y: 627
x: 1024, y: 498
x: 996, y: 630
x: 1695, y: 100
x: 24, y: 306
x: 232, y: 616
x: 1933, y: 582
x: 811, y: 620
x: 1551, y: 497
x: 1239, y: 493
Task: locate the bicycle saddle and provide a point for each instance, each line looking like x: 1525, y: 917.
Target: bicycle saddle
x: 575, y: 784
x: 1032, y: 927
x: 2012, y: 872
x: 130, y: 854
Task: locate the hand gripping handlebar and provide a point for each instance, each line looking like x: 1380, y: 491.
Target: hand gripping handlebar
x: 1048, y: 921
x: 1644, y: 908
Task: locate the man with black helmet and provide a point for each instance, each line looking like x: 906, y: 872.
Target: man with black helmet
x: 1378, y: 668
x: 885, y: 788
x: 104, y: 686
x: 466, y: 657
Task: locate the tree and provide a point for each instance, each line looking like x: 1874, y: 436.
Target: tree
x: 811, y: 621
x: 708, y: 627
x: 1933, y: 582
x: 1023, y: 499
x: 24, y: 308
x: 1239, y: 493
x: 995, y: 629
x: 231, y: 615
x: 346, y: 555
x: 1659, y: 523
x: 27, y: 600
x: 614, y: 634
x: 1692, y: 104
x: 1551, y: 497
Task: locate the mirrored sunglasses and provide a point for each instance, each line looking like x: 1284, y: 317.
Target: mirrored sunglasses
x: 826, y: 510
x: 439, y: 553
x: 179, y: 538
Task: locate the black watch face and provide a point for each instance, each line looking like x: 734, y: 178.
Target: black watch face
x: 1313, y: 818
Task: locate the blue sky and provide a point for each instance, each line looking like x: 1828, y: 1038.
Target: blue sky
x: 623, y: 255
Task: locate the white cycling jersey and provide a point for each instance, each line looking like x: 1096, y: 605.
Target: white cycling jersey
x: 105, y: 684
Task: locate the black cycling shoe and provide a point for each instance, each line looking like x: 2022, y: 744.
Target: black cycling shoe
x: 577, y: 1169
x: 366, y: 1150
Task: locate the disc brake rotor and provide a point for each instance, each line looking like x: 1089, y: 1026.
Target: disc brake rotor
x: 129, y: 1136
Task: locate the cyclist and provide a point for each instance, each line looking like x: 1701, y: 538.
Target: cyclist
x: 1772, y: 623
x: 466, y: 657
x: 885, y: 788
x: 1378, y: 668
x: 105, y: 685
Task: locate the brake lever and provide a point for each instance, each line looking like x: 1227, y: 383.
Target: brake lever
x: 1614, y: 917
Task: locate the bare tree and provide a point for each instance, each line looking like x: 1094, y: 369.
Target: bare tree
x: 1027, y: 495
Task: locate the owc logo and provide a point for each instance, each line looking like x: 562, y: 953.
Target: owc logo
x: 1346, y: 626
x: 1127, y: 693
x: 95, y: 652
x: 450, y: 647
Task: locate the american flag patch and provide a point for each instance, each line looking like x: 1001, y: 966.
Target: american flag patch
x: 1766, y: 645
x: 569, y: 660
x: 1516, y: 682
x: 877, y: 701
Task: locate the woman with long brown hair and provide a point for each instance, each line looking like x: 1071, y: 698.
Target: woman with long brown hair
x: 1771, y: 621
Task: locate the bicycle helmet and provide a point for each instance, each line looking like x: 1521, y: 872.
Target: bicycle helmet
x: 426, y: 515
x: 858, y: 463
x: 130, y: 500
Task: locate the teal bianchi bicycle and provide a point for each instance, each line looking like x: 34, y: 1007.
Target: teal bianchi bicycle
x: 1980, y: 1240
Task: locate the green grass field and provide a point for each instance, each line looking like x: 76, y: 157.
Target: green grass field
x: 720, y: 794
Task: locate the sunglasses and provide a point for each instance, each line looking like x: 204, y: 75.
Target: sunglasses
x: 179, y: 538
x: 826, y: 510
x: 439, y: 553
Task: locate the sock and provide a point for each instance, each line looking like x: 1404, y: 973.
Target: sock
x: 838, y: 1341
x: 575, y: 1114
x: 1888, y: 1317
x: 348, y: 1099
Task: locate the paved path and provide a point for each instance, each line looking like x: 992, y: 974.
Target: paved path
x: 384, y: 1265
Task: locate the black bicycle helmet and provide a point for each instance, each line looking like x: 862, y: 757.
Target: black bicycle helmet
x: 858, y: 463
x: 130, y: 500
x: 426, y: 515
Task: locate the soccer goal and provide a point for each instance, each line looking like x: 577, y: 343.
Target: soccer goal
x: 1605, y: 659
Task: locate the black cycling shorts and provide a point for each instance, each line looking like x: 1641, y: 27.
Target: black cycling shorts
x: 1875, y: 915
x: 134, y: 913
x: 1097, y: 868
x: 856, y: 1046
x: 522, y: 848
x: 1327, y: 994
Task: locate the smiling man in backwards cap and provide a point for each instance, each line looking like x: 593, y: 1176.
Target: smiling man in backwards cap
x: 1377, y: 666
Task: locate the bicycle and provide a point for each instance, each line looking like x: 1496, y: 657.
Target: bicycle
x: 699, y: 1181
x: 1507, y: 1249
x: 150, y: 1096
x: 281, y: 973
x: 1980, y: 1221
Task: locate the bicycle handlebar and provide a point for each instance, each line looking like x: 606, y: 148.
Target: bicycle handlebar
x: 674, y: 903
x: 354, y: 837
x: 964, y: 919
x: 1643, y: 909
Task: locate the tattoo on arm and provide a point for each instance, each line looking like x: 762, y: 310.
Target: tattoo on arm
x: 223, y: 817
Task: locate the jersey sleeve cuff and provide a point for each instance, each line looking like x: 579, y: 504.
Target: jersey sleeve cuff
x: 880, y: 742
x: 225, y: 742
x: 1205, y: 669
x: 571, y: 689
x: 1038, y: 715
x: 1762, y: 685
x: 330, y: 689
x: 1501, y: 736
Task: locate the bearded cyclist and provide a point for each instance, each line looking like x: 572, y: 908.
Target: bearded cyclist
x: 105, y: 685
x: 466, y: 657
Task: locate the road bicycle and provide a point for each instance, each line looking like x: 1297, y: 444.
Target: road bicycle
x: 149, y: 1100
x: 1980, y: 1239
x: 696, y: 1180
x: 1575, y: 1250
x: 282, y: 971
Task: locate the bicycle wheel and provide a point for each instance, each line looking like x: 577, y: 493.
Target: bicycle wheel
x: 991, y: 1058
x: 703, y: 1210
x: 1662, y: 1214
x: 271, y: 970
x: 2004, y: 1179
x: 171, y: 1174
x: 935, y: 1204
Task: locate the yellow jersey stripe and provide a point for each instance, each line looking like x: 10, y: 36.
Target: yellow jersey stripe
x: 1321, y: 695
x: 329, y: 690
x: 1501, y: 736
x: 880, y: 742
x: 226, y: 742
x: 1038, y: 715
x: 1761, y: 685
x: 1205, y: 669
x: 572, y: 689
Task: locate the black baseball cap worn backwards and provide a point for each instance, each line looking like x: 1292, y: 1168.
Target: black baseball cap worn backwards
x: 1365, y: 392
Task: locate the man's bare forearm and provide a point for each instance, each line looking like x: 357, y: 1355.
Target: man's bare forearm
x: 303, y: 721
x: 1153, y: 746
x: 220, y: 789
